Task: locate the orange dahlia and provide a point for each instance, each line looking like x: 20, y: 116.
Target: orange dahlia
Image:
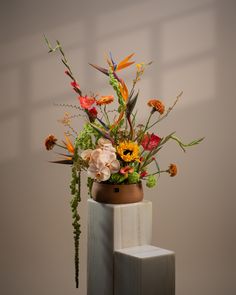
x: 172, y: 170
x: 50, y: 141
x: 157, y: 105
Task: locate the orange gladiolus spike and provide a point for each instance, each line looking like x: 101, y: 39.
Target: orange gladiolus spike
x: 69, y: 144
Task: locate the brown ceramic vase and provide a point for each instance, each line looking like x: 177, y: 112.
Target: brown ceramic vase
x: 117, y: 193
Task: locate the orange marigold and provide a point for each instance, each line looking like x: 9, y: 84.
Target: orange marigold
x: 172, y: 170
x: 157, y: 105
x: 50, y: 141
x: 105, y: 100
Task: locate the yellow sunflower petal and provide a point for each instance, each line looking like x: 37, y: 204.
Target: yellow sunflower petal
x: 128, y: 151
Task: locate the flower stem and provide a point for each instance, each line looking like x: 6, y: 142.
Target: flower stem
x: 61, y: 146
x: 157, y: 172
x: 106, y: 115
x: 145, y: 129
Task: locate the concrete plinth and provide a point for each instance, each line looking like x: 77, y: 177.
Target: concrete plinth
x: 113, y: 229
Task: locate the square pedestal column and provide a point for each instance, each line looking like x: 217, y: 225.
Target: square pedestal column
x: 144, y: 270
x: 120, y: 259
x: 110, y: 228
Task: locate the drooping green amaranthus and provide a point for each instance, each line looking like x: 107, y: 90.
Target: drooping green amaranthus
x: 75, y: 187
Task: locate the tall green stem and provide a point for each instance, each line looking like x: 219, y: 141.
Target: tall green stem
x: 106, y: 115
x: 145, y: 128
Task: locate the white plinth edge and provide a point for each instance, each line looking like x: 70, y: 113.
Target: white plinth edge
x: 144, y: 270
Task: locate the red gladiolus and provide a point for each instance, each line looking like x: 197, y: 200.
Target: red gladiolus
x: 86, y: 102
x: 143, y: 174
x: 74, y: 84
x: 93, y: 113
x: 150, y: 142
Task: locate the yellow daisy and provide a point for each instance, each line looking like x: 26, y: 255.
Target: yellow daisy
x: 128, y: 151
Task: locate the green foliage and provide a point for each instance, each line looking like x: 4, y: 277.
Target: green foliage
x: 117, y: 178
x: 115, y: 130
x: 184, y: 145
x: 116, y: 86
x: 90, y: 185
x: 75, y: 187
x: 131, y: 104
x: 85, y: 138
x: 151, y: 181
x: 133, y: 178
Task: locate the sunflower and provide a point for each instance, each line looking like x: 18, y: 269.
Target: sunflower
x: 128, y: 151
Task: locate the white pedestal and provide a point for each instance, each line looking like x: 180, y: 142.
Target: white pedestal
x: 112, y: 228
x: 144, y: 270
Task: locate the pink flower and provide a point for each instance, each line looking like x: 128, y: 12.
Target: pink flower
x: 150, y: 142
x: 86, y: 102
x: 86, y: 155
x: 102, y: 163
x: 99, y: 172
x: 106, y: 144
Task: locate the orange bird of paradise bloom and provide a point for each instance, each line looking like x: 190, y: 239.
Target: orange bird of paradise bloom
x: 68, y: 144
x: 67, y: 159
x: 126, y: 62
x: 113, y: 65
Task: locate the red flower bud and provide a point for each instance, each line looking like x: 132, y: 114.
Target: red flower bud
x: 143, y: 174
x: 74, y: 84
x: 93, y: 113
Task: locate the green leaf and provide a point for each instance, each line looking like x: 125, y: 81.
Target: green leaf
x: 131, y: 104
x: 103, y: 70
x: 117, y: 178
x: 67, y: 162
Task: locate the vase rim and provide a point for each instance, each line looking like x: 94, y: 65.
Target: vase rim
x: 140, y: 182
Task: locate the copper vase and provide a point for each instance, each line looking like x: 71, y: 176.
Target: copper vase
x: 117, y: 193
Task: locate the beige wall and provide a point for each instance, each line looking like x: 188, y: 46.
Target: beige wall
x: 193, y: 45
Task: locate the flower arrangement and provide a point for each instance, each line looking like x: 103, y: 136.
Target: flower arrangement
x: 112, y: 147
